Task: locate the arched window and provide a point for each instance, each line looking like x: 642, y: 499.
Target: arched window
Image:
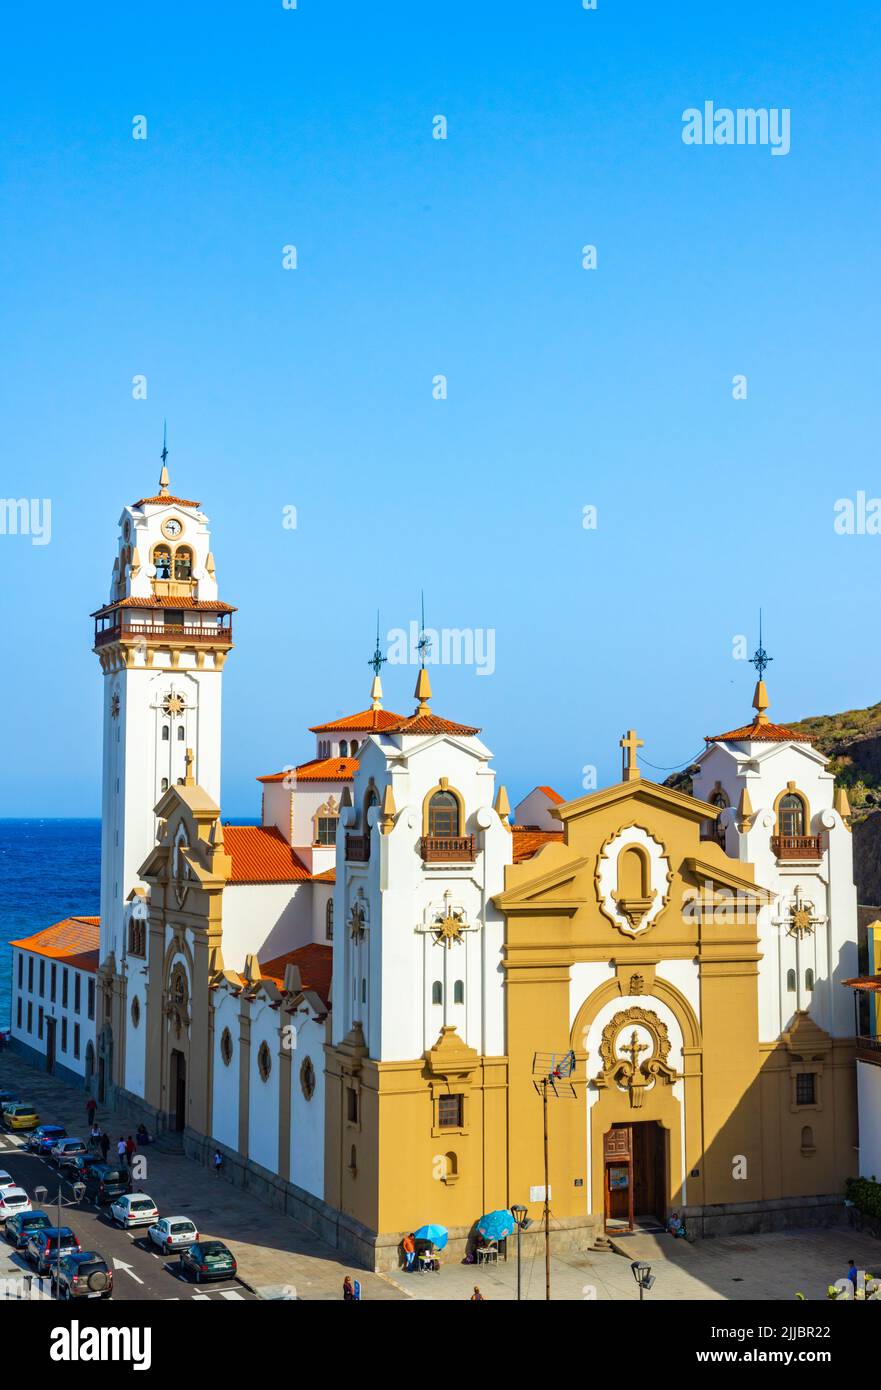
x: 328, y: 920
x: 183, y: 562
x: 451, y: 1167
x: 344, y: 748
x: 719, y: 799
x: 354, y: 746
x: 363, y: 991
x: 166, y: 733
x: 790, y: 981
x: 371, y: 799
x: 807, y: 1139
x: 791, y: 815
x: 162, y: 561
x: 809, y: 979
x: 443, y: 816
x: 181, y: 733
x: 165, y: 784
x: 459, y: 992
x: 437, y: 992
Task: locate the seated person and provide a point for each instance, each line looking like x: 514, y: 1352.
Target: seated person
x: 143, y: 1137
x: 676, y: 1227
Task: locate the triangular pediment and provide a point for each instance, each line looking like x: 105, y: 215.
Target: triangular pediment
x: 640, y: 792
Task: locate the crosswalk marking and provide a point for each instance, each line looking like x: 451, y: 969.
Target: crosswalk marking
x: 231, y: 1293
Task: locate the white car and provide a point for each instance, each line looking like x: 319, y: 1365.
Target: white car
x: 173, y: 1233
x: 134, y: 1209
x: 6, y: 1180
x: 12, y: 1201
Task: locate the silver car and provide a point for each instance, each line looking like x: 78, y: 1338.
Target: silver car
x: 173, y: 1233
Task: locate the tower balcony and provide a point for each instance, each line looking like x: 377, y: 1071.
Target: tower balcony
x: 448, y: 849
x: 186, y: 634
x: 358, y: 849
x: 794, y: 847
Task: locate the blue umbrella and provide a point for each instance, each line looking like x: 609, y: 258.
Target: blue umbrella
x: 438, y: 1235
x: 496, y: 1225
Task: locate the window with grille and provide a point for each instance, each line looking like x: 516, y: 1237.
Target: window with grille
x: 326, y: 830
x: 449, y: 1112
x: 443, y: 815
x: 806, y: 1088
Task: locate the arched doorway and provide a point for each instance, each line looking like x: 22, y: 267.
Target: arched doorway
x: 635, y: 1162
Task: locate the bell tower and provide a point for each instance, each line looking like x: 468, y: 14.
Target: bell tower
x: 162, y: 640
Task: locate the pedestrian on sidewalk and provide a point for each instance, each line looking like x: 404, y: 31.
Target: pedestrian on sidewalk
x: 477, y: 1296
x: 121, y: 1152
x: 91, y: 1108
x: 131, y: 1149
x: 218, y: 1162
x: 348, y: 1290
x: 95, y: 1137
x: 104, y: 1144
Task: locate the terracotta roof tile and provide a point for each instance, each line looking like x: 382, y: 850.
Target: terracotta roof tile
x: 430, y: 724
x: 73, y: 941
x: 202, y: 604
x: 161, y: 501
x: 329, y: 876
x: 318, y: 770
x: 759, y: 733
x: 261, y: 854
x: 314, y: 962
x: 371, y: 721
x: 529, y: 842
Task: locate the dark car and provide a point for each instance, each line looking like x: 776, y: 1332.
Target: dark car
x: 20, y: 1227
x: 8, y: 1098
x: 208, y: 1259
x: 44, y: 1247
x: 77, y: 1167
x: 44, y: 1138
x: 105, y: 1182
x: 83, y: 1275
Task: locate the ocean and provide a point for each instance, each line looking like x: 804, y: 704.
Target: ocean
x: 49, y: 869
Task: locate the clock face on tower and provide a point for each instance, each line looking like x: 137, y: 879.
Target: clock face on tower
x: 172, y: 528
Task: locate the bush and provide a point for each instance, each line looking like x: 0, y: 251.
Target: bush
x: 865, y: 1194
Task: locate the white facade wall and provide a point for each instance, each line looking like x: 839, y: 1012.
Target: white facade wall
x: 307, y: 1116
x: 830, y: 952
x: 264, y: 919
x: 263, y: 1098
x: 869, y: 1109
x: 225, y: 1092
x: 535, y: 809
x: 74, y: 1029
x: 385, y: 981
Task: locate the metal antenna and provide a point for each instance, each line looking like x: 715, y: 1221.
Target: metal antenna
x: 761, y: 660
x: 552, y: 1073
x: 164, y: 454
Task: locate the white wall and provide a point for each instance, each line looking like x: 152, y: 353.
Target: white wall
x: 869, y: 1103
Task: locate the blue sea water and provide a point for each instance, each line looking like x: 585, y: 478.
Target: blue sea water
x: 49, y: 869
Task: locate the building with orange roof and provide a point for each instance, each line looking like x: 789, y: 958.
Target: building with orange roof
x: 53, y: 997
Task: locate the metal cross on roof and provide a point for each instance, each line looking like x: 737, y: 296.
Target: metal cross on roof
x: 164, y: 454
x: 761, y: 660
x: 423, y: 646
x: 377, y: 659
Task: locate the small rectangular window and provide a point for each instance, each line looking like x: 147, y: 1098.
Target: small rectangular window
x: 352, y: 1106
x: 805, y: 1088
x: 64, y: 1035
x: 40, y: 1024
x: 42, y: 979
x: 18, y: 1013
x: 91, y: 1008
x: 64, y: 975
x: 77, y: 1000
x: 30, y: 1017
x: 30, y: 974
x: 53, y: 977
x: 449, y: 1112
x: 327, y: 830
x: 20, y: 970
x: 76, y: 1040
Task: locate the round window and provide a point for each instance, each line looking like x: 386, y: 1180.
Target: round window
x: 264, y: 1061
x: 226, y: 1046
x: 307, y: 1078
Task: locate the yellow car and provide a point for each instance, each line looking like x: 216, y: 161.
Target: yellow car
x: 20, y: 1116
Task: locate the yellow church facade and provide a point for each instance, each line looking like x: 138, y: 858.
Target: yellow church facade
x: 634, y: 942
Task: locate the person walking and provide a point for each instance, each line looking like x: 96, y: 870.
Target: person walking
x: 104, y: 1145
x: 218, y: 1162
x: 131, y: 1149
x: 91, y: 1110
x: 95, y: 1137
x: 120, y: 1149
x: 348, y: 1290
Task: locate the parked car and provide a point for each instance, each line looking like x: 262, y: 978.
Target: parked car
x: 208, y: 1259
x: 105, y: 1182
x: 66, y: 1149
x: 9, y: 1098
x: 134, y: 1209
x: 173, y: 1233
x: 22, y: 1225
x: 76, y: 1166
x: 20, y: 1115
x: 6, y: 1179
x: 83, y: 1275
x: 12, y: 1201
x: 44, y: 1138
x: 45, y: 1247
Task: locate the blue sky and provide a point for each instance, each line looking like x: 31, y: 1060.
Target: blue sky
x: 417, y: 257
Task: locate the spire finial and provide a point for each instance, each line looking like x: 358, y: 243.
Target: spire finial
x: 163, y: 476
x: 761, y: 660
x: 630, y: 767
x: 376, y: 661
x: 423, y: 646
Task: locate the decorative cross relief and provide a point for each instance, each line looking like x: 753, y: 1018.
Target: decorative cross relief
x: 799, y: 919
x: 447, y: 924
x: 621, y: 1061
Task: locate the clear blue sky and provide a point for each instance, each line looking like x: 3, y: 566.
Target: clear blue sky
x: 567, y: 388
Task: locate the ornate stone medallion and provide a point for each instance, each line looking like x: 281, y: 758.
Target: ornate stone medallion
x: 633, y: 878
x: 626, y: 1037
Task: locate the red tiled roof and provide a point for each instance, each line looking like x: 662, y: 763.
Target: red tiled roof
x: 261, y: 854
x: 430, y: 724
x: 529, y: 842
x: 212, y: 605
x: 759, y: 733
x: 318, y: 770
x: 329, y: 876
x: 371, y: 721
x: 552, y: 795
x: 73, y: 941
x: 161, y: 501
x: 314, y: 962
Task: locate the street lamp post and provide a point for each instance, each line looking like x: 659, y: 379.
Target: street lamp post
x: 642, y: 1273
x: 523, y: 1224
x: 78, y: 1190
